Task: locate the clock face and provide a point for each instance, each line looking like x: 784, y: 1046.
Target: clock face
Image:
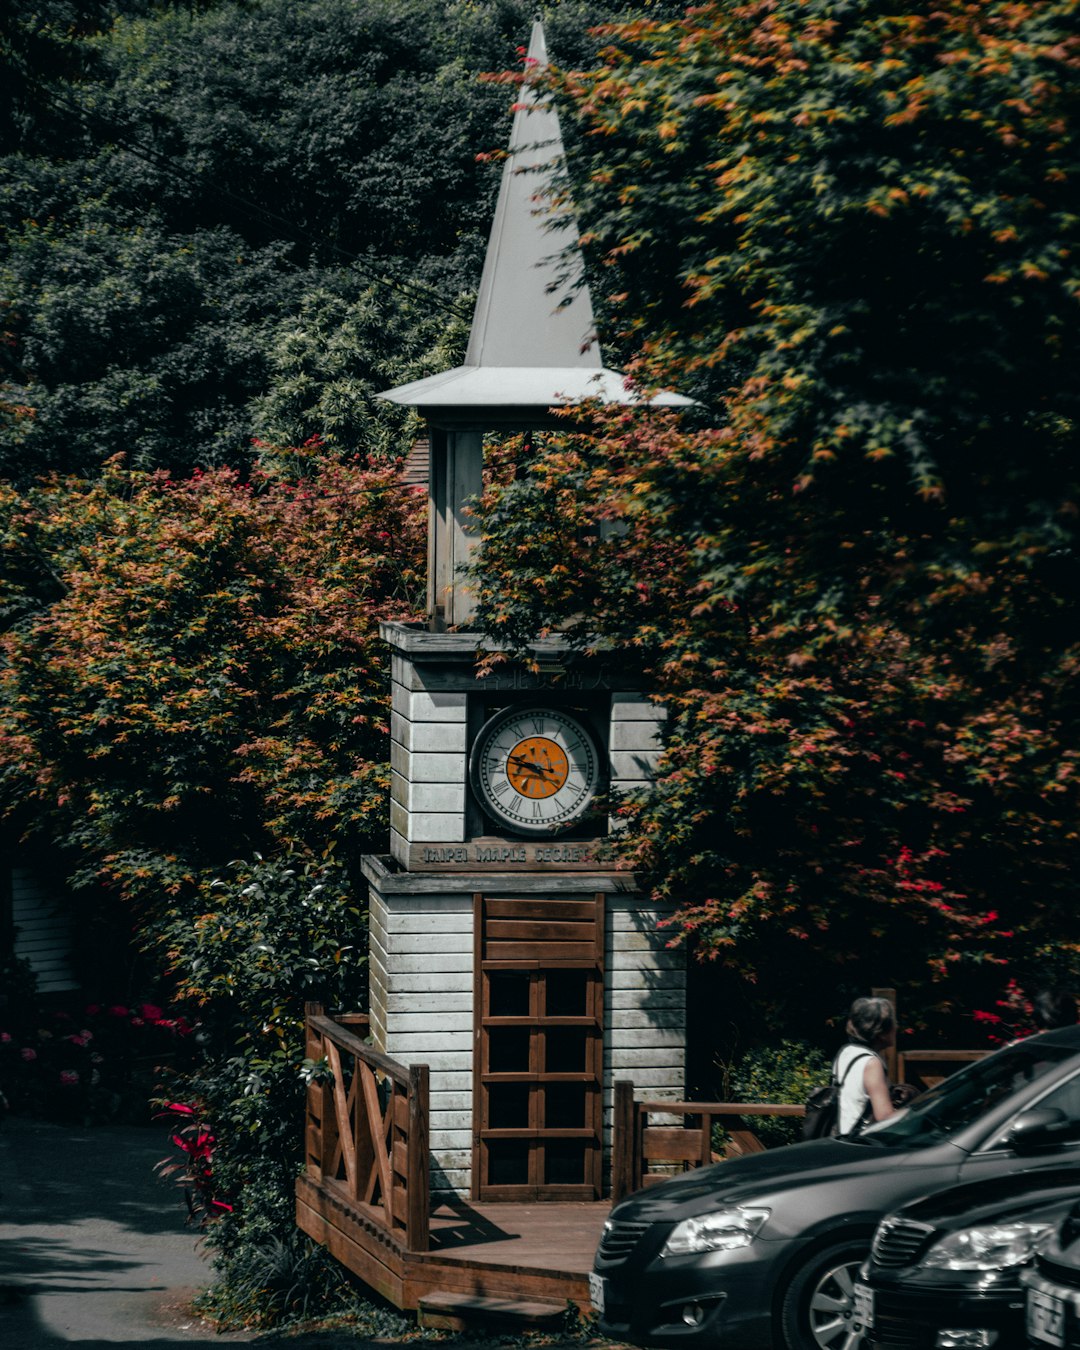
x: 535, y: 770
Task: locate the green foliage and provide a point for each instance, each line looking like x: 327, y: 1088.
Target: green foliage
x: 282, y: 1279
x: 131, y: 339
x: 191, y: 669
x: 329, y: 360
x: 852, y: 574
x: 307, y: 167
x: 785, y: 1073
x: 269, y: 936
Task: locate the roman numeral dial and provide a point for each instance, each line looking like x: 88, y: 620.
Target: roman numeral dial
x: 535, y: 770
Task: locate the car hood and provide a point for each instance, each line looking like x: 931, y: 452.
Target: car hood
x: 818, y: 1162
x: 994, y: 1200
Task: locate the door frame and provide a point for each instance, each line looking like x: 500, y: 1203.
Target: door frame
x: 536, y: 955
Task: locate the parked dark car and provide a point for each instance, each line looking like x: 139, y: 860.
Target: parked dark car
x: 763, y: 1251
x: 1052, y: 1286
x: 944, y: 1271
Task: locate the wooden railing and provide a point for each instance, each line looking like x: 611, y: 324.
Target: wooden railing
x: 367, y: 1124
x: 643, y: 1154
x: 926, y: 1068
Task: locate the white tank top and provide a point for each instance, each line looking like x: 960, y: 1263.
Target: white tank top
x: 853, y: 1094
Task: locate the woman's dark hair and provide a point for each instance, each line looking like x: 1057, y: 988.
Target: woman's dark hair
x: 1053, y: 1008
x: 870, y: 1020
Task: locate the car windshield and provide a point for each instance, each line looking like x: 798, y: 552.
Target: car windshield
x: 962, y: 1098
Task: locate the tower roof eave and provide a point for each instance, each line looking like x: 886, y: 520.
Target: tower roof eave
x: 540, y: 387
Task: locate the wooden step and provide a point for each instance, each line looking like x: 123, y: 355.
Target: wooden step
x: 445, y: 1311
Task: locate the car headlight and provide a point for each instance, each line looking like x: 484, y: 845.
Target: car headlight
x: 719, y: 1232
x: 994, y: 1247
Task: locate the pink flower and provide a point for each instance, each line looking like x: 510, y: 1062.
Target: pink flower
x: 150, y: 1012
x: 5, y: 1036
x: 81, y: 1041
x: 28, y: 1054
x: 117, y: 1011
x: 137, y: 1022
x: 68, y: 1077
x: 92, y: 1009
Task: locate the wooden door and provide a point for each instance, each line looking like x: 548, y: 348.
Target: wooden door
x: 538, y: 1077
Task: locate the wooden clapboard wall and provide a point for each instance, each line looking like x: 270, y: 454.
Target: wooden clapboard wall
x: 421, y: 956
x: 42, y: 929
x: 645, y: 1006
x: 422, y: 996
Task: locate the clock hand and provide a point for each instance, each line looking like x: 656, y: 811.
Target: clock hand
x: 530, y: 765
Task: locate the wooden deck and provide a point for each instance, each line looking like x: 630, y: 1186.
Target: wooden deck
x: 542, y: 1252
x: 365, y: 1194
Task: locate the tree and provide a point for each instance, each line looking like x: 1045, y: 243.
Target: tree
x: 852, y: 575
x: 192, y: 669
x: 191, y: 675
x: 329, y: 360
x: 180, y: 184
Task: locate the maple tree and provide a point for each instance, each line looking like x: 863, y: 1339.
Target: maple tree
x: 851, y: 573
x: 191, y: 675
x: 192, y: 670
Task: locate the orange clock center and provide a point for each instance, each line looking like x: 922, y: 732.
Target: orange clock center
x: 537, y: 767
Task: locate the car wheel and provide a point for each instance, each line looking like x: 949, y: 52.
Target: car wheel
x: 818, y: 1311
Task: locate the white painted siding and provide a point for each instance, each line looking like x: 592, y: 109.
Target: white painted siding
x: 427, y: 756
x: 422, y: 1005
x: 422, y: 983
x: 633, y: 745
x: 43, y: 930
x: 644, y: 1007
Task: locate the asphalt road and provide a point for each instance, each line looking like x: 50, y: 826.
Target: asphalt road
x: 94, y: 1248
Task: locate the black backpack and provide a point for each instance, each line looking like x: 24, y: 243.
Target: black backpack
x: 823, y: 1104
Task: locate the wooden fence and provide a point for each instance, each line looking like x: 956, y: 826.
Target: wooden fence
x: 366, y: 1129
x: 644, y: 1153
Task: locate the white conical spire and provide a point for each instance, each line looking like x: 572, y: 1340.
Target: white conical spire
x: 532, y: 342
x: 529, y: 312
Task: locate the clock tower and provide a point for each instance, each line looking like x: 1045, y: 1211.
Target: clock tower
x: 507, y: 952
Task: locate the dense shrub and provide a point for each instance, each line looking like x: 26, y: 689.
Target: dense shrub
x: 784, y: 1073
x: 274, y: 935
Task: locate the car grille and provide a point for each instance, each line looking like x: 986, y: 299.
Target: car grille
x: 890, y: 1335
x: 898, y: 1242
x: 904, y: 1322
x: 619, y: 1240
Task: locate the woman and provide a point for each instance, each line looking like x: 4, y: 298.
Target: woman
x: 859, y: 1068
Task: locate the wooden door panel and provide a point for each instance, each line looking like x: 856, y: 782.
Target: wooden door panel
x: 540, y: 998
